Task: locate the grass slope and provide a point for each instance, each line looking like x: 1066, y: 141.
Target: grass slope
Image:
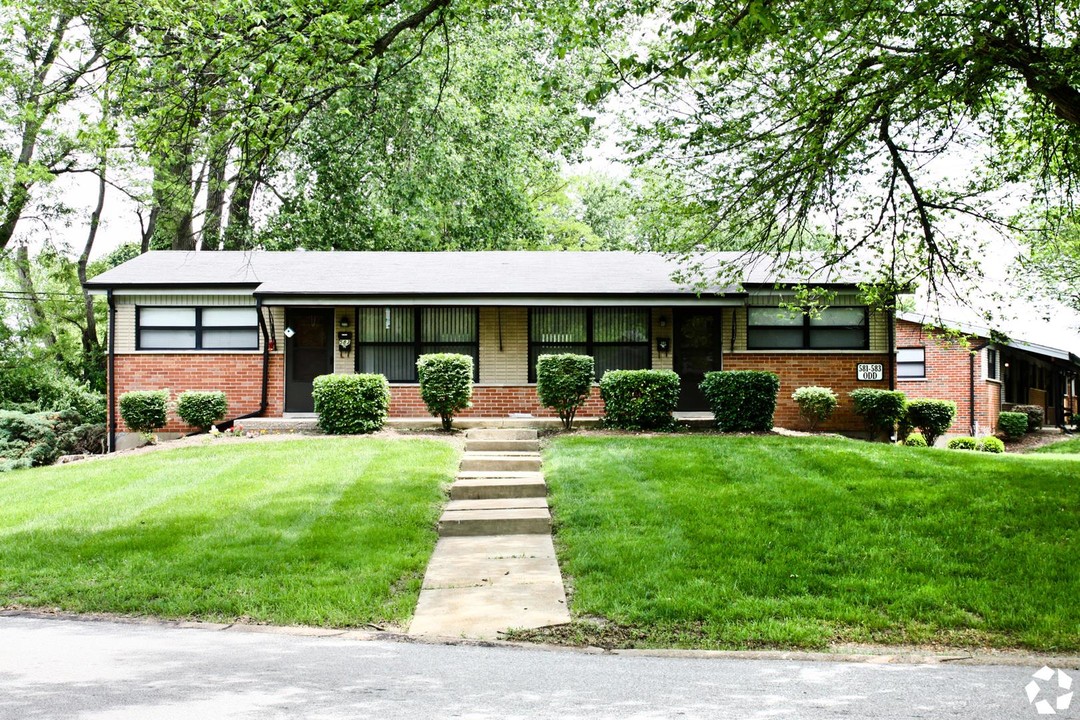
x: 801, y: 542
x: 1065, y: 447
x: 314, y: 531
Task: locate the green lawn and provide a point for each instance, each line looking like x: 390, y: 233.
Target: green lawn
x: 713, y: 542
x: 1065, y: 447
x: 314, y: 531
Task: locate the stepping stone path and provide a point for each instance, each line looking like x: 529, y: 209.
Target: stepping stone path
x: 494, y: 567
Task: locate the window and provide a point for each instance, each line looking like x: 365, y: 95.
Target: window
x: 910, y: 363
x: 212, y: 328
x: 390, y: 339
x: 993, y: 363
x: 834, y: 328
x: 617, y: 338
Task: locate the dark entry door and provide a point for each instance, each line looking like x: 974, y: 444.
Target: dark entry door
x: 696, y: 352
x: 308, y: 354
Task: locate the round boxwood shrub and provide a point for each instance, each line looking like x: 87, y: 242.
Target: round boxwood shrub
x: 145, y: 411
x: 351, y: 404
x: 563, y: 383
x: 1013, y: 424
x: 1035, y: 416
x: 201, y: 409
x: 915, y: 440
x: 639, y: 399
x: 881, y: 410
x: 932, y: 417
x: 742, y: 400
x: 445, y: 384
x: 963, y: 443
x: 991, y: 444
x: 816, y: 404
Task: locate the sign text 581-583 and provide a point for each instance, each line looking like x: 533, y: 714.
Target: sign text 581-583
x: 871, y: 371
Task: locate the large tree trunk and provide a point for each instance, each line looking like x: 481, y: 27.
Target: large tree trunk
x: 30, y: 296
x: 216, y: 184
x: 90, y: 343
x: 238, y: 231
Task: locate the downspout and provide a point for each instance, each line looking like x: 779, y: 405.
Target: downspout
x: 891, y: 319
x: 971, y: 386
x: 112, y: 370
x: 264, y: 399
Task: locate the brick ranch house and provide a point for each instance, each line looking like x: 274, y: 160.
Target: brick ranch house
x: 983, y: 372
x: 261, y: 325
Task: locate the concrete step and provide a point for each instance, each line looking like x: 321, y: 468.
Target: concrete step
x: 513, y: 521
x: 500, y: 461
x: 492, y: 487
x: 501, y: 445
x: 500, y: 434
x: 532, y: 503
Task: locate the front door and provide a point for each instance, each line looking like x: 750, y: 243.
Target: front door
x: 309, y: 352
x: 696, y: 352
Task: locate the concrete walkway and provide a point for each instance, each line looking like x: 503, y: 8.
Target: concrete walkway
x: 494, y: 567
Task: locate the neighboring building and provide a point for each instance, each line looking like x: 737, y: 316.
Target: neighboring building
x: 261, y: 325
x: 983, y: 372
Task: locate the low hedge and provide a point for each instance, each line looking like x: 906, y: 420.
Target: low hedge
x: 639, y: 399
x: 963, y: 443
x: 445, y: 384
x: 816, y: 404
x: 145, y: 411
x: 1035, y: 416
x: 881, y: 410
x: 351, y: 404
x: 932, y: 417
x: 1013, y: 424
x: 915, y: 440
x: 742, y: 400
x: 563, y: 383
x: 201, y: 409
x: 990, y: 444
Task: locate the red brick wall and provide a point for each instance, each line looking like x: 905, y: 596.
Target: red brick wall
x: 948, y: 377
x: 239, y: 376
x: 833, y: 370
x: 488, y: 401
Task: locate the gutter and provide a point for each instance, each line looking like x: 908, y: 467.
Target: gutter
x: 891, y: 319
x: 264, y: 400
x: 112, y: 372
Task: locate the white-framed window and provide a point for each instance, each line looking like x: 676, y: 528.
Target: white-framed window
x: 910, y: 363
x: 196, y: 328
x: 993, y: 364
x: 834, y: 328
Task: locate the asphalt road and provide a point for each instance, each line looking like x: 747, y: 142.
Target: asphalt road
x: 54, y: 668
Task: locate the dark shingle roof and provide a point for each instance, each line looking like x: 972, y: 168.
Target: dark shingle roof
x: 442, y: 273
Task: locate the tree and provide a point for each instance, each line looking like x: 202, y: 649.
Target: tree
x: 897, y: 129
x: 457, y: 150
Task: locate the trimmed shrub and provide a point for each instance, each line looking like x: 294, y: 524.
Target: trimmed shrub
x: 445, y: 384
x: 742, y: 399
x: 201, y: 409
x: 145, y: 411
x: 963, y: 443
x: 915, y: 440
x: 1013, y: 424
x: 351, y: 404
x: 1035, y: 415
x: 563, y: 383
x: 639, y: 399
x: 932, y: 417
x: 990, y: 444
x: 881, y: 410
x: 816, y: 404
